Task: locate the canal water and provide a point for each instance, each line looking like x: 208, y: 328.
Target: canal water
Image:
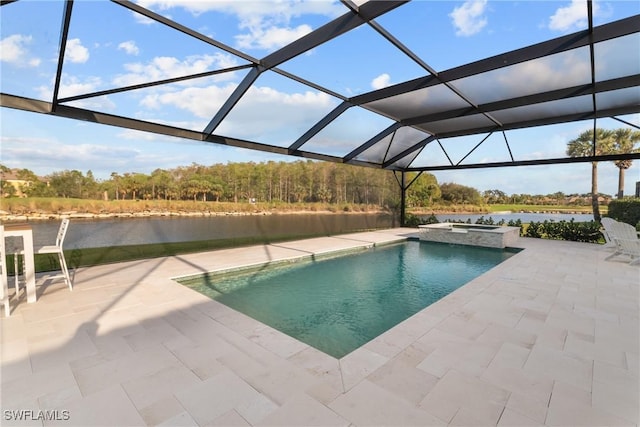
x: 94, y: 233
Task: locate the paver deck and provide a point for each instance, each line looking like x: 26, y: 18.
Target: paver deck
x: 548, y: 337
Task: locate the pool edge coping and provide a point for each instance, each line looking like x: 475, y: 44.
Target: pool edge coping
x: 366, y: 347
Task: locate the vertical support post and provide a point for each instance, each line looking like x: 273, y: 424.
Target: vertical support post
x: 403, y: 198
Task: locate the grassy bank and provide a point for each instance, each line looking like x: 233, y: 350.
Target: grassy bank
x: 41, y: 206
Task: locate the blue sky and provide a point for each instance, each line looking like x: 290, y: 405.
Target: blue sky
x: 110, y: 46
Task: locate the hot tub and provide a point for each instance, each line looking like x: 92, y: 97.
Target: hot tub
x: 489, y: 236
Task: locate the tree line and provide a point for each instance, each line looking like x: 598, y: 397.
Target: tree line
x: 308, y: 181
x: 271, y: 182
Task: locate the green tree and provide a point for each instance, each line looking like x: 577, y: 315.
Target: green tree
x: 624, y: 142
x: 90, y: 188
x: 134, y: 184
x: 423, y: 191
x: 67, y: 183
x: 456, y: 193
x: 495, y: 196
x: 160, y: 181
x: 115, y: 179
x: 198, y: 185
x: 583, y: 146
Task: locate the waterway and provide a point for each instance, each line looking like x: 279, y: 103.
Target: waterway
x: 95, y: 233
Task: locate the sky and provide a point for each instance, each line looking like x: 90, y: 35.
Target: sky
x: 110, y: 46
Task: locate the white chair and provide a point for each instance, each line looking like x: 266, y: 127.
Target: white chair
x: 4, y: 279
x: 626, y: 239
x: 57, y: 249
x: 52, y: 249
x: 607, y: 231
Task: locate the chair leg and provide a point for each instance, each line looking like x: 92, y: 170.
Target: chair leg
x: 65, y: 270
x: 16, y: 275
x: 7, y: 308
x: 5, y: 291
x: 616, y: 253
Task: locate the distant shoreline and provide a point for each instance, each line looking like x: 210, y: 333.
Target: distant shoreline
x: 48, y: 216
x: 166, y: 214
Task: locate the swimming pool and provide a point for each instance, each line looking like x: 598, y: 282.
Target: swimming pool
x: 338, y: 304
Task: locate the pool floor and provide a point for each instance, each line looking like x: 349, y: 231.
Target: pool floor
x: 338, y: 304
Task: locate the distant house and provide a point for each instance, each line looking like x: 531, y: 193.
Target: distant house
x: 11, y: 177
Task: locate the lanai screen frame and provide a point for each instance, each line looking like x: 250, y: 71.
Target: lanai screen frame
x: 385, y: 102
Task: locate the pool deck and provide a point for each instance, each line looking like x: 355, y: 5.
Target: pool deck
x: 548, y: 337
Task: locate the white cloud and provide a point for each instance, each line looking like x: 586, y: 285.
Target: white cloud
x: 13, y: 50
x: 129, y: 47
x: 49, y: 151
x: 245, y: 9
x: 469, y: 18
x: 71, y: 86
x: 136, y: 135
x: 267, y: 24
x: 267, y: 109
x: 270, y: 38
x: 573, y: 16
x: 201, y: 102
x: 164, y: 67
x: 75, y: 52
x: 383, y: 80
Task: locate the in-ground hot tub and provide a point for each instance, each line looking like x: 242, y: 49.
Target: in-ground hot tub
x: 489, y: 236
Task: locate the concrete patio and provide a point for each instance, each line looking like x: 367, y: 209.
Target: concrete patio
x: 549, y: 337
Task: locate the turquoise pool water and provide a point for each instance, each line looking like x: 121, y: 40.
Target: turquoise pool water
x: 338, y: 304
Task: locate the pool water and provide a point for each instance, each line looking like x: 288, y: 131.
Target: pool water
x: 338, y: 304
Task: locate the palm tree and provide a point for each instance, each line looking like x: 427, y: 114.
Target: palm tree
x: 624, y: 142
x: 582, y: 146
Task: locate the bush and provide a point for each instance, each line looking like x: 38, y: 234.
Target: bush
x: 411, y: 220
x: 516, y: 223
x: 490, y: 221
x: 565, y: 230
x: 535, y: 229
x: 625, y: 210
x: 431, y: 219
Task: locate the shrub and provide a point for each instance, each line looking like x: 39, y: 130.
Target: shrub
x: 565, y: 230
x: 535, y: 229
x: 431, y: 219
x: 490, y: 221
x: 625, y: 210
x: 411, y: 220
x: 516, y: 223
